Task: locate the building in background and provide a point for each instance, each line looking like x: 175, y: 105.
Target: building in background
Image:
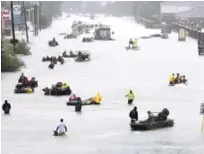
x: 171, y: 9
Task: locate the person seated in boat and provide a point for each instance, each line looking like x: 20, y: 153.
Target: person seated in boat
x: 134, y: 114
x: 21, y: 78
x: 51, y: 65
x: 32, y: 82
x: 25, y: 82
x: 130, y: 42
x: 81, y: 56
x: 64, y: 53
x: 150, y: 116
x: 73, y: 98
x: 53, y: 40
x: 19, y: 86
x: 6, y: 107
x: 53, y: 87
x: 47, y: 57
x: 183, y: 79
x: 59, y: 84
x: 135, y: 43
x: 97, y: 99
x: 71, y: 53
x: 61, y: 128
x: 178, y: 78
x: 172, y: 79
x: 29, y: 90
x: 65, y: 86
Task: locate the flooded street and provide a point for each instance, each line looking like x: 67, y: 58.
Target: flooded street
x: 112, y: 71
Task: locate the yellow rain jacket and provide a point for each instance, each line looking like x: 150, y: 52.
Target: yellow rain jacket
x: 28, y: 90
x: 65, y: 86
x: 130, y: 96
x: 97, y: 99
x: 172, y: 79
x: 135, y: 43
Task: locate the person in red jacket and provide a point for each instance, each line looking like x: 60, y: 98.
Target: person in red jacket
x: 25, y: 81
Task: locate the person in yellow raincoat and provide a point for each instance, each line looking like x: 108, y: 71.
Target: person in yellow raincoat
x: 130, y: 97
x: 135, y: 43
x: 172, y: 79
x: 28, y: 90
x: 97, y: 99
x: 65, y: 86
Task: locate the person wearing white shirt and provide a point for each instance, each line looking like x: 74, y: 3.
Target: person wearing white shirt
x: 61, y: 128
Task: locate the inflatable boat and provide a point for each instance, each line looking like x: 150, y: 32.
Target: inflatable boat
x: 69, y: 56
x: 21, y: 91
x: 142, y: 125
x: 133, y: 48
x: 58, y: 92
x: 84, y: 102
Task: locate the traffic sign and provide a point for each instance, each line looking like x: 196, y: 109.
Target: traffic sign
x: 202, y: 109
x: 16, y: 9
x: 6, y: 14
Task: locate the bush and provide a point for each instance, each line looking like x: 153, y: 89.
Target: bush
x: 22, y: 48
x: 10, y: 63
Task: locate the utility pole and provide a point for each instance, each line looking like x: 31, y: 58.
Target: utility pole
x: 13, y: 27
x: 25, y: 21
x: 39, y: 15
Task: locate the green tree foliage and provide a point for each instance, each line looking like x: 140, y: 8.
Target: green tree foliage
x: 9, y: 60
x: 22, y: 48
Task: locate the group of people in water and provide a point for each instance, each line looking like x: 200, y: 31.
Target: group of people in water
x: 58, y: 89
x: 24, y: 85
x: 177, y: 79
x: 133, y: 44
x: 53, y: 60
x: 53, y: 43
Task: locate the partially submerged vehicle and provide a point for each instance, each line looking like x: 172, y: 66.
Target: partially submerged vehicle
x: 103, y: 33
x: 153, y: 122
